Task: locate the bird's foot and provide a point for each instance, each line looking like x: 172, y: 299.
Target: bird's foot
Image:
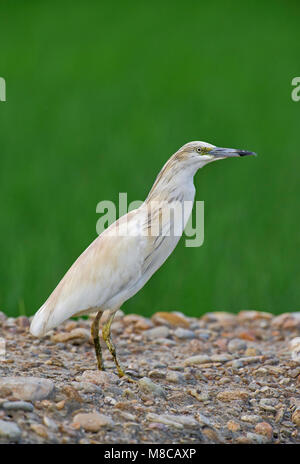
x: 125, y: 376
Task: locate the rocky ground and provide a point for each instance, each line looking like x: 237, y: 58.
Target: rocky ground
x: 221, y: 378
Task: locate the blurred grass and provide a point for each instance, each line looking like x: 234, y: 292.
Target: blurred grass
x: 99, y: 95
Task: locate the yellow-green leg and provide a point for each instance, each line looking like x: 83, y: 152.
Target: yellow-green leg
x: 96, y: 340
x: 112, y: 349
x: 110, y: 345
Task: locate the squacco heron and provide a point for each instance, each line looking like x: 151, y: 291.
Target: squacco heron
x: 122, y: 259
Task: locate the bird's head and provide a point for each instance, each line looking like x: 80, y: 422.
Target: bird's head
x: 201, y: 153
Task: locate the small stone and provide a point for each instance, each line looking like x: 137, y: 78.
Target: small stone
x: 294, y: 346
x: 173, y: 319
x: 157, y: 374
x: 229, y: 395
x: 211, y: 434
x: 221, y: 357
x: 27, y: 388
x: 60, y: 405
x: 72, y: 393
x: 256, y: 438
x: 166, y: 420
x: 109, y: 400
x: 92, y: 422
x: 195, y: 345
x: 147, y: 386
x: 174, y: 377
x: 287, y: 321
x: 198, y: 395
x: 70, y: 325
x: 222, y: 317
x: 9, y: 430
x: 17, y: 405
x: 98, y: 377
x: 126, y: 415
x: 40, y: 430
x: 237, y: 363
x: 296, y: 417
x: 50, y: 423
x: 198, y: 359
x: 235, y: 345
x: 184, y: 334
x: 157, y: 332
x: 143, y: 324
x: 280, y: 414
x: 177, y: 421
x: 267, y: 404
x: 233, y: 426
x: 87, y: 387
x: 22, y: 322
x: 78, y: 335
x: 254, y: 315
x: 252, y: 352
x: 263, y: 428
x: 251, y: 418
x: 221, y: 343
x: 247, y: 335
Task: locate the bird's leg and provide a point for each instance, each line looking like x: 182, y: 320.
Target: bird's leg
x: 96, y: 340
x: 110, y: 345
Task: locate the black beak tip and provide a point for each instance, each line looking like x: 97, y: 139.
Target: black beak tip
x: 246, y: 153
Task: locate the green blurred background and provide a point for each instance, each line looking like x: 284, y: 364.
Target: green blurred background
x: 100, y: 94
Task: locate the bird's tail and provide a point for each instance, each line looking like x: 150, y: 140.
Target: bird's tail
x: 40, y: 323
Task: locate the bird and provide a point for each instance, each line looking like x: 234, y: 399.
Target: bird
x: 119, y: 262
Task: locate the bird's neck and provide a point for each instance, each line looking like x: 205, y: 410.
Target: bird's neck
x: 173, y: 183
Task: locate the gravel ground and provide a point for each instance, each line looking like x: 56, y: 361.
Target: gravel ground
x: 221, y: 378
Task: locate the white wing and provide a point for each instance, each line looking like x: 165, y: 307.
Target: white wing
x: 110, y: 265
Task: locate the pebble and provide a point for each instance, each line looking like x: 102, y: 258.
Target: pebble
x: 177, y: 421
x: 184, y: 334
x: 251, y: 418
x: 253, y: 315
x: 143, y: 324
x: 256, y: 438
x: 147, y: 386
x: 50, y: 423
x: 236, y: 344
x: 287, y: 321
x: 233, y: 426
x: 40, y: 430
x: 92, y: 422
x: 173, y: 319
x: 223, y: 317
x: 157, y: 374
x: 229, y: 395
x: 264, y: 428
x: 78, y: 335
x: 98, y: 377
x: 175, y: 377
x: 198, y: 395
x: 9, y: 430
x: 198, y: 359
x: 296, y: 417
x: 267, y: 404
x: 248, y: 396
x: 157, y: 332
x: 294, y: 346
x: 17, y: 405
x: 87, y: 387
x: 27, y: 388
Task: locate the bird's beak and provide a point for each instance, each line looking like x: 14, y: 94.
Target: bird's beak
x: 229, y: 152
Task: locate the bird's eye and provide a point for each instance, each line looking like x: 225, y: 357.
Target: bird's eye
x: 199, y: 149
